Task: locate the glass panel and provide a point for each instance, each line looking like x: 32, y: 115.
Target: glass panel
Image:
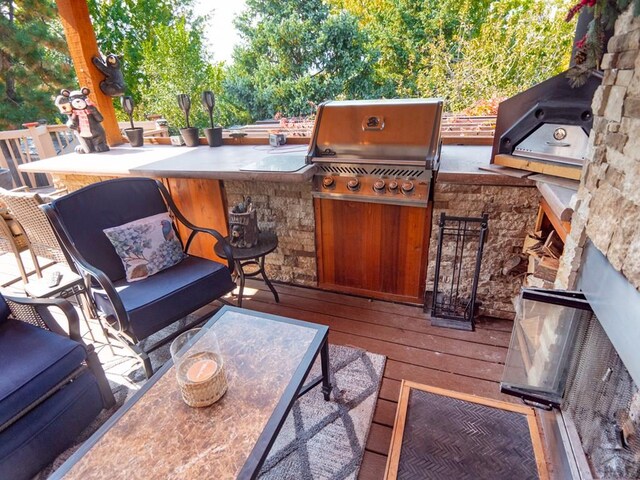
x: 161, y: 432
x: 541, y: 344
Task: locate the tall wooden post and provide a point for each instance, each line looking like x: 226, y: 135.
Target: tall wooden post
x: 81, y: 40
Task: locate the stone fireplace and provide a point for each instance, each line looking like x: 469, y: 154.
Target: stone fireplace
x: 602, y: 258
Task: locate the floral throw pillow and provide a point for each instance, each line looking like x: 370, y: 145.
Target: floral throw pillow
x: 146, y: 246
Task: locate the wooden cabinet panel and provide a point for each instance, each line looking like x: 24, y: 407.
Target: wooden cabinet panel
x: 203, y: 203
x: 372, y: 249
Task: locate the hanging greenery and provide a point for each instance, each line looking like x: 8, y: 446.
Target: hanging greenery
x: 591, y: 47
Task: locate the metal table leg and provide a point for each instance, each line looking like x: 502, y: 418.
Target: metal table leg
x: 266, y: 279
x: 239, y: 268
x: 324, y: 361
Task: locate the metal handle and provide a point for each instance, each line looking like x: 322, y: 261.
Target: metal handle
x: 373, y: 123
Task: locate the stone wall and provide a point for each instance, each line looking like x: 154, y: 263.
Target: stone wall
x: 607, y: 207
x: 512, y: 213
x: 287, y: 210
x: 73, y: 182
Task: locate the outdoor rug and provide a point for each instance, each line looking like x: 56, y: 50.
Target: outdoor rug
x: 319, y: 440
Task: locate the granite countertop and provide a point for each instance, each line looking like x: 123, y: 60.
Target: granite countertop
x: 247, y: 162
x: 459, y: 163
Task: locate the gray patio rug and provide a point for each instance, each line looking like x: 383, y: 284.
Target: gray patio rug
x: 319, y: 440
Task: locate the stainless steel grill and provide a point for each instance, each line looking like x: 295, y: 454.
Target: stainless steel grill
x: 381, y: 151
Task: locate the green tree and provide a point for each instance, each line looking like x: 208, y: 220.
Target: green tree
x: 464, y: 50
x: 178, y: 64
x: 520, y: 43
x: 34, y: 63
x: 295, y: 55
x: 122, y: 27
x: 404, y: 30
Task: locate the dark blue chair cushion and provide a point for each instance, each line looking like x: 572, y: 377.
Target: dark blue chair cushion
x: 4, y: 310
x: 33, y: 361
x: 163, y: 298
x: 38, y: 438
x: 88, y: 211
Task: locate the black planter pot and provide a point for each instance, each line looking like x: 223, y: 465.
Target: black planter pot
x: 190, y: 136
x: 214, y: 136
x: 135, y: 136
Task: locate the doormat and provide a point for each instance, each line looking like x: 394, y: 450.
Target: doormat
x: 443, y: 434
x: 319, y: 440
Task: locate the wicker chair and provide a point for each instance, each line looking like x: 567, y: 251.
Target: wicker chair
x: 13, y: 239
x: 43, y: 243
x: 52, y: 385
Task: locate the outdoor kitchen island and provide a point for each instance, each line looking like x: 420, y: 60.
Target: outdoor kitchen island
x: 205, y: 181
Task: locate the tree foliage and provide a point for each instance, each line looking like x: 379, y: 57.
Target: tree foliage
x: 519, y: 43
x: 34, y: 63
x: 296, y: 54
x: 123, y: 26
x: 464, y: 50
x: 176, y: 65
x: 163, y: 51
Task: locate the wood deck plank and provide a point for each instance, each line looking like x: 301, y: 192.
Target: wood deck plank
x: 379, y: 438
x: 405, y: 317
x: 373, y: 465
x: 385, y: 412
x: 263, y: 301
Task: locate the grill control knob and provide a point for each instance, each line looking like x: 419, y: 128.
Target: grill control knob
x: 393, y: 186
x: 353, y: 184
x: 328, y: 182
x: 378, y: 186
x: 407, y: 187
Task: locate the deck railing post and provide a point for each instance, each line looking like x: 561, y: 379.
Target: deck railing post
x: 41, y: 140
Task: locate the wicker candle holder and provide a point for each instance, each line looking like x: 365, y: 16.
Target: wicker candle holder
x: 199, y: 367
x: 202, y: 379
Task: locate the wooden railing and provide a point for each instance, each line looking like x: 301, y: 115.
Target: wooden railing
x: 33, y: 143
x: 456, y: 129
x: 36, y: 142
x: 151, y: 129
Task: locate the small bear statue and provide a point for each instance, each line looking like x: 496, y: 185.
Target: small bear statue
x: 113, y: 83
x: 84, y: 119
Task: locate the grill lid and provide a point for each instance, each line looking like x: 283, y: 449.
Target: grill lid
x: 404, y: 131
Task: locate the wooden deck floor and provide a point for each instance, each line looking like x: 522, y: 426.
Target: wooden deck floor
x: 469, y: 362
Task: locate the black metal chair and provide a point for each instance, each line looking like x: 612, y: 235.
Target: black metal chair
x: 133, y: 311
x: 51, y: 388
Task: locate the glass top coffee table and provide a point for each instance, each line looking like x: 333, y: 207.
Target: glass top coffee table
x: 156, y: 435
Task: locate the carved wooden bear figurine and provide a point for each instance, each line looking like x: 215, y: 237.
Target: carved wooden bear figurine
x: 113, y: 83
x: 84, y: 118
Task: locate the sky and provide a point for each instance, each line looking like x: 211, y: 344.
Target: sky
x: 221, y: 34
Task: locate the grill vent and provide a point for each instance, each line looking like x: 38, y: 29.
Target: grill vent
x: 343, y: 169
x: 374, y: 170
x: 397, y: 172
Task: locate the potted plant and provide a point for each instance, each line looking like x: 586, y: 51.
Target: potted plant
x: 134, y: 134
x: 213, y: 134
x: 189, y: 134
